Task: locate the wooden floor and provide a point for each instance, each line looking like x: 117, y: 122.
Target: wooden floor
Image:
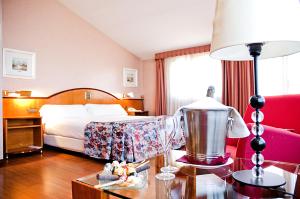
x: 44, y: 176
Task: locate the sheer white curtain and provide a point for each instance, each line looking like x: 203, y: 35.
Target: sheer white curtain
x: 188, y: 77
x: 279, y: 76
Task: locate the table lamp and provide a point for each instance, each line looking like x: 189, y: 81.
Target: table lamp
x: 251, y: 30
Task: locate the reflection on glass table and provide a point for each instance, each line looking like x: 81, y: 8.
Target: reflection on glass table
x: 215, y: 182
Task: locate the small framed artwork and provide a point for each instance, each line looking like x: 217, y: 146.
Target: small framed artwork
x: 18, y: 64
x: 130, y: 77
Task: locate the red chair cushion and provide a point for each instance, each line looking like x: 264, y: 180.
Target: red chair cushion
x: 281, y: 145
x: 279, y: 111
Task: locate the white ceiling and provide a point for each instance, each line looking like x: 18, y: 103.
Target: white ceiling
x: 146, y: 27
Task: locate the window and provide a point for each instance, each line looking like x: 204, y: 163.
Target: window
x: 188, y: 77
x: 279, y: 76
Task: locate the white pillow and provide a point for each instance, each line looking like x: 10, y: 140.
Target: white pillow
x: 105, y: 109
x: 63, y: 111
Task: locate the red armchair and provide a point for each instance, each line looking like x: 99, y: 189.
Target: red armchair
x: 282, y: 130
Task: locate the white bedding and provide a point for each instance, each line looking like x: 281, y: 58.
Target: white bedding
x: 73, y: 127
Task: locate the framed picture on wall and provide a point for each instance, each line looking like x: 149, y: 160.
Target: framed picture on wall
x: 18, y: 64
x: 130, y: 77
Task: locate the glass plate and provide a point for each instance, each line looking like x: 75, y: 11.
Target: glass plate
x: 143, y: 181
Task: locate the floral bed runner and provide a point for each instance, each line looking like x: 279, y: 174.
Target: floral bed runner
x: 133, y: 140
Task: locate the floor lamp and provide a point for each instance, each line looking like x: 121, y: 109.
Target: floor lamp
x: 252, y: 30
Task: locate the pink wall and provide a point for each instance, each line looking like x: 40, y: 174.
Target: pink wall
x: 149, y: 85
x: 69, y: 52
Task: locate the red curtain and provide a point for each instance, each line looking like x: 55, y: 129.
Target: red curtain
x: 238, y: 84
x: 160, y: 104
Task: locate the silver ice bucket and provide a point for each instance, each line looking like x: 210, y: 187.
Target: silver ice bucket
x: 205, y: 132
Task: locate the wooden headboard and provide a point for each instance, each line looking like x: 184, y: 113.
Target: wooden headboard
x: 29, y: 106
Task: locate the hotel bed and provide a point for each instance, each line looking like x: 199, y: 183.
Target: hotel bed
x: 65, y: 124
x: 100, y: 127
x: 102, y: 131
x: 68, y: 133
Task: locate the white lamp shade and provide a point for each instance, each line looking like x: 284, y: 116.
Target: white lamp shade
x: 275, y: 23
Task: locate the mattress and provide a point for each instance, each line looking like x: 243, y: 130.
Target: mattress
x: 71, y: 144
x: 73, y: 127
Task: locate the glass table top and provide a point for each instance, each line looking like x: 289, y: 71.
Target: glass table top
x: 205, y: 181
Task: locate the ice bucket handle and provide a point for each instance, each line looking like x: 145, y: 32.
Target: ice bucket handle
x: 230, y: 121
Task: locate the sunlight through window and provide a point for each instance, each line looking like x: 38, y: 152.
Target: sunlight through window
x: 279, y: 76
x: 188, y: 78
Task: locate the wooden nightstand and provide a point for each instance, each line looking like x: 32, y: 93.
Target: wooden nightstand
x: 138, y: 113
x: 22, y: 135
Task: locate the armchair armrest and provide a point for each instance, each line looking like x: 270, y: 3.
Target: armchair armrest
x: 281, y: 145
